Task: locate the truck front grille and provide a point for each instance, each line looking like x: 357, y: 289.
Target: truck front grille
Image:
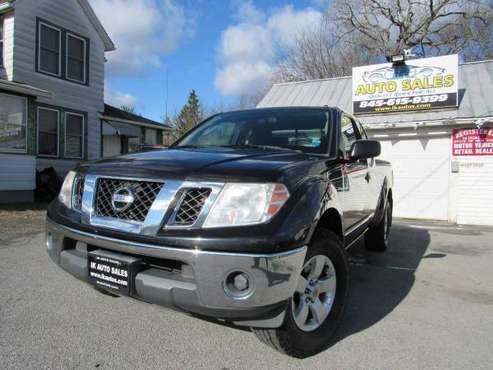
x: 190, y: 207
x: 78, y: 192
x: 143, y: 193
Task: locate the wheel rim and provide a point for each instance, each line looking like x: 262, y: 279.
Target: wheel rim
x: 315, y: 293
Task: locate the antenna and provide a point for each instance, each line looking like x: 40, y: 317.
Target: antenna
x: 167, y: 91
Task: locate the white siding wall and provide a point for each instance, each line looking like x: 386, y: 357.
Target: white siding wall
x: 150, y: 136
x: 111, y: 145
x: 17, y: 172
x: 66, y: 14
x: 475, y: 190
x: 8, y: 45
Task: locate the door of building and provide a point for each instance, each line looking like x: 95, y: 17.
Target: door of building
x: 421, y: 175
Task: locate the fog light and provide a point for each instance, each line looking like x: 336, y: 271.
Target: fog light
x: 241, y: 282
x: 238, y: 284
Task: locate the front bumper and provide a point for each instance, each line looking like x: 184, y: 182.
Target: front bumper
x: 198, y: 285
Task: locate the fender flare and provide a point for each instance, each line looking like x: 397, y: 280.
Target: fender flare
x: 329, y: 203
x: 382, y: 200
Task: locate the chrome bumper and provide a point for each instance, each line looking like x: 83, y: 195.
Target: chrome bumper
x: 273, y: 277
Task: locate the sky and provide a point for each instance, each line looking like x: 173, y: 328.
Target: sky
x: 220, y: 48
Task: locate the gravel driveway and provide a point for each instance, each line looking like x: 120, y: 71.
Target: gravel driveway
x: 426, y: 303
x: 21, y: 220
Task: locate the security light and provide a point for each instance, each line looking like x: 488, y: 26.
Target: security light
x: 397, y: 59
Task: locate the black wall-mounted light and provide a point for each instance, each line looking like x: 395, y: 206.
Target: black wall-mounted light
x: 397, y: 60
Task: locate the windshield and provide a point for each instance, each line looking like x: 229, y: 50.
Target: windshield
x: 304, y: 130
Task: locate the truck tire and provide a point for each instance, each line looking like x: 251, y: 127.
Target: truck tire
x: 377, y: 237
x: 317, y: 306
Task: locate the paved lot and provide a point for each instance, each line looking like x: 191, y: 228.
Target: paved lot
x: 426, y: 303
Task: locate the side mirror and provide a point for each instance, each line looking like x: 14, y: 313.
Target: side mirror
x: 363, y: 149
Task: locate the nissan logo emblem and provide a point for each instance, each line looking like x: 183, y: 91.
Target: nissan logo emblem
x: 122, y: 199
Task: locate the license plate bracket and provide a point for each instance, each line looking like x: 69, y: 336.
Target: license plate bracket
x: 112, y: 271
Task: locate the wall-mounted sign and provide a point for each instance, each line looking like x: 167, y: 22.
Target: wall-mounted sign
x: 419, y: 84
x: 10, y: 130
x: 466, y: 142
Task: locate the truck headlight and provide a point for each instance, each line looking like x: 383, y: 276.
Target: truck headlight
x: 246, y: 204
x: 65, y: 196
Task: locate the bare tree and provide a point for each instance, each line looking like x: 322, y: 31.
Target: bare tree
x: 249, y: 101
x: 320, y: 54
x: 433, y: 27
x: 128, y: 109
x: 357, y: 32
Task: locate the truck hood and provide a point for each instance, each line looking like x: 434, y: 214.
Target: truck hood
x: 210, y: 164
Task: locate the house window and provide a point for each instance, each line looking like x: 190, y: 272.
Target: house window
x: 48, y: 121
x: 74, y: 135
x: 134, y: 144
x: 13, y: 123
x: 49, y: 53
x: 76, y: 58
x: 150, y: 136
x: 62, y: 53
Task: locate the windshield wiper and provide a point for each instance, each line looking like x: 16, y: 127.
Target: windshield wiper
x: 189, y: 146
x: 236, y: 146
x: 256, y: 146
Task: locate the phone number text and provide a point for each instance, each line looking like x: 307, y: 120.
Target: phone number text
x: 404, y: 101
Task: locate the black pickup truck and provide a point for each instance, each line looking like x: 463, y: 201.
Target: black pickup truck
x: 245, y: 219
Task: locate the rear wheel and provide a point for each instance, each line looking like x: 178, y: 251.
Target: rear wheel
x: 317, y: 305
x: 377, y: 238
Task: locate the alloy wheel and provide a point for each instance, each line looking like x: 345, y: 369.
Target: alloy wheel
x: 315, y: 293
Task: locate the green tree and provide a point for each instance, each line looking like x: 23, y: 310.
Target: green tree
x: 191, y: 114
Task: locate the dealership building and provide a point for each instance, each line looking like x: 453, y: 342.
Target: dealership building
x: 437, y: 132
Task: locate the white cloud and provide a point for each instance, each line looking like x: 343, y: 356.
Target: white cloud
x: 238, y: 78
x: 143, y: 31
x: 247, y: 12
x: 288, y: 24
x: 118, y: 98
x: 247, y: 50
x: 246, y: 42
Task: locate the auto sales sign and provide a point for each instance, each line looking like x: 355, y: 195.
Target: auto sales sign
x: 419, y: 84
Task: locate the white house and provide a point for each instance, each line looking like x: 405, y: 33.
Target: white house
x: 52, y: 110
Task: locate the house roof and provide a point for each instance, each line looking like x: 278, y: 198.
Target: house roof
x: 24, y: 89
x: 5, y: 5
x: 119, y: 115
x: 108, y: 43
x: 475, y: 91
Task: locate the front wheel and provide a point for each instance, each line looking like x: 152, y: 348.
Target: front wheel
x: 316, y: 307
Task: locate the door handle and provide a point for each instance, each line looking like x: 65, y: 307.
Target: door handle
x: 367, y: 177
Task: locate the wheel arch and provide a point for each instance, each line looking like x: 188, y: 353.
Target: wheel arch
x: 385, y: 195
x: 331, y: 220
